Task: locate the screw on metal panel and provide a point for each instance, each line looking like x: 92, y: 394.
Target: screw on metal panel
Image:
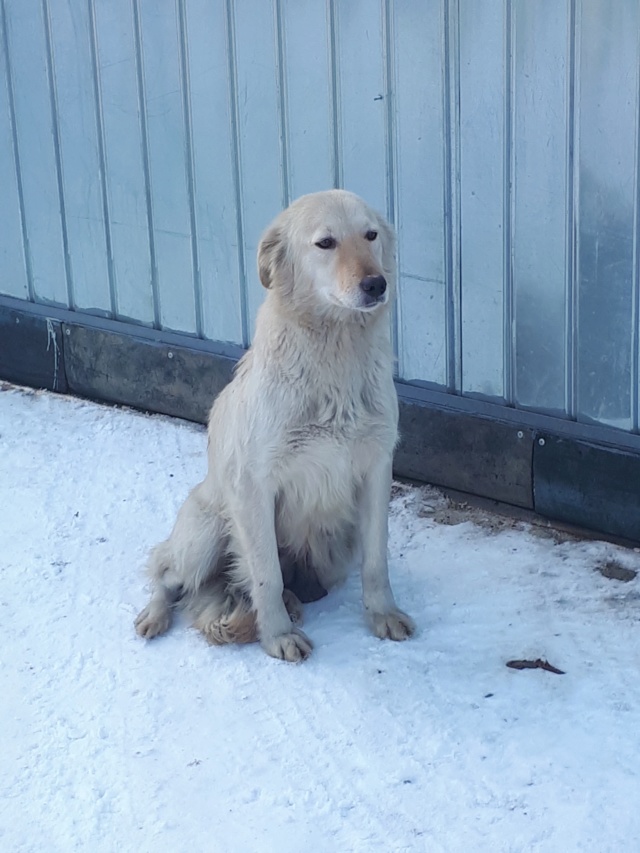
x: 541, y: 442
x: 169, y: 355
x: 520, y: 434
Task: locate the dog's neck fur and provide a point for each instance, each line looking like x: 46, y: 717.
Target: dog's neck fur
x: 292, y: 336
x: 328, y: 372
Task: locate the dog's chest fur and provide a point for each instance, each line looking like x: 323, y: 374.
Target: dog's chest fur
x: 339, y: 405
x: 312, y: 408
x: 338, y: 381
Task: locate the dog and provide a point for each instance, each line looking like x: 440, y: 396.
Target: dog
x: 300, y: 444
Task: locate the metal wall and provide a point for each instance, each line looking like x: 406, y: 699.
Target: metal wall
x: 145, y: 144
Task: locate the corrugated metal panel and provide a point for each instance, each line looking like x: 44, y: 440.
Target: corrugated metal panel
x: 27, y: 75
x: 485, y: 149
x: 126, y: 178
x: 307, y: 78
x: 541, y: 200
x: 362, y: 93
x: 13, y: 272
x: 219, y: 278
x: 607, y: 200
x: 421, y: 146
x: 145, y: 144
x: 260, y: 154
x: 81, y: 154
x: 167, y: 151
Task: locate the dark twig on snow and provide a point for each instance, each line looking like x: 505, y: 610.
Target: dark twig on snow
x: 534, y: 664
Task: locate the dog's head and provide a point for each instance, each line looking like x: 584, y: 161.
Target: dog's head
x: 329, y: 250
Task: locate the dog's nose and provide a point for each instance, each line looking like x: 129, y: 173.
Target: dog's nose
x: 373, y: 286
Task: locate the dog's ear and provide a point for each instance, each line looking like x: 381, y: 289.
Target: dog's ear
x: 272, y: 255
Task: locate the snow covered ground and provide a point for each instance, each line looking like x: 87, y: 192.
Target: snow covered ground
x: 111, y: 744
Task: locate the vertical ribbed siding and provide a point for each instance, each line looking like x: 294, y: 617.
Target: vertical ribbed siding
x: 605, y: 155
x: 282, y: 102
x: 390, y: 147
x: 507, y: 210
x: 237, y: 176
x: 123, y: 184
x: 144, y: 140
x: 37, y: 139
x: 334, y: 71
x: 259, y: 132
x: 188, y: 133
x: 97, y: 94
x: 538, y: 208
x: 451, y: 190
x: 80, y: 169
x: 570, y: 301
x: 635, y: 308
x: 56, y: 148
x: 482, y: 130
x: 169, y: 161
x: 482, y: 148
x: 15, y: 150
x: 420, y: 167
x: 211, y: 134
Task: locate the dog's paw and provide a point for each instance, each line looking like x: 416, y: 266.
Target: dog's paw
x: 394, y: 625
x: 151, y: 622
x: 293, y: 647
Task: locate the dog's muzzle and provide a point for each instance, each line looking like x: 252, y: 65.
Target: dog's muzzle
x: 373, y: 288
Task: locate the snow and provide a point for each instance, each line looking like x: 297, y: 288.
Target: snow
x: 110, y: 743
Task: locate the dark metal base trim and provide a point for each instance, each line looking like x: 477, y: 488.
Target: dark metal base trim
x: 479, y: 448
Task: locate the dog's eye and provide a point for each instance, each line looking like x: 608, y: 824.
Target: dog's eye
x: 371, y: 235
x: 327, y: 243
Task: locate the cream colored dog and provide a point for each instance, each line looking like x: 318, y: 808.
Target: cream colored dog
x: 300, y: 444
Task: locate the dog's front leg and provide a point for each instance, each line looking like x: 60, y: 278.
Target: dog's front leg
x: 387, y: 621
x: 258, y: 553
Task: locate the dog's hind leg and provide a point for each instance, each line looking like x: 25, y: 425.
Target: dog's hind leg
x: 183, y: 563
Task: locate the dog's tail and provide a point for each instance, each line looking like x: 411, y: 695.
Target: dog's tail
x: 222, y: 616
x: 225, y: 615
